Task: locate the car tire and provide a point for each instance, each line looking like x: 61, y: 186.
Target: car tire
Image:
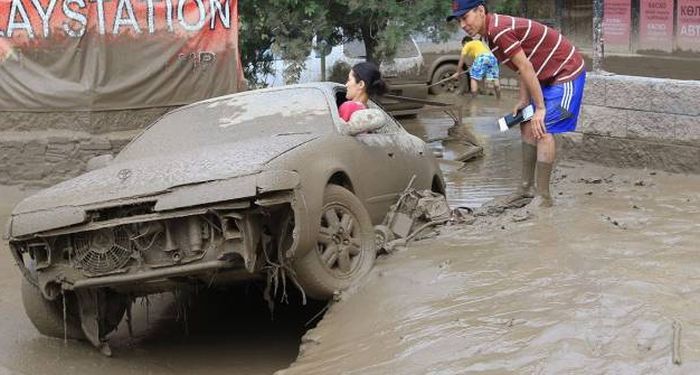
x: 442, y: 72
x: 47, y: 316
x: 345, y: 250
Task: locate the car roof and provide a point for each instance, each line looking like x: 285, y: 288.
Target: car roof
x: 327, y: 87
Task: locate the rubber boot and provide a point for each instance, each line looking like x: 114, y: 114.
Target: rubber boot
x: 524, y: 191
x: 544, y: 174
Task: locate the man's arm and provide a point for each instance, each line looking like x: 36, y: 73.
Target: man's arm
x: 528, y: 78
x: 523, y: 97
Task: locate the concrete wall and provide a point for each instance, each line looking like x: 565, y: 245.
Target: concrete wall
x: 638, y: 122
x: 41, y: 149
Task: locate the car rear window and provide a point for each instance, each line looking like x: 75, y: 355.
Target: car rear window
x: 236, y: 118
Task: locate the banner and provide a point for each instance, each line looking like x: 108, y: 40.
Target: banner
x: 656, y: 25
x: 617, y: 16
x: 116, y: 54
x: 688, y: 32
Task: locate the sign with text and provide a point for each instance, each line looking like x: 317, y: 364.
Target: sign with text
x: 617, y: 17
x: 688, y: 29
x: 656, y: 25
x: 116, y: 54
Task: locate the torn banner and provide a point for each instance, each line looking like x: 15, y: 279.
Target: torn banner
x: 116, y: 54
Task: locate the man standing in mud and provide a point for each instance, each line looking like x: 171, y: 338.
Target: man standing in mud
x: 552, y: 76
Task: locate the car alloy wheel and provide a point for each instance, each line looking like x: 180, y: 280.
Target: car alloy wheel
x: 344, y: 250
x: 339, y: 240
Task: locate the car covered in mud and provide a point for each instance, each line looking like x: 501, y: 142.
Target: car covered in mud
x: 265, y: 185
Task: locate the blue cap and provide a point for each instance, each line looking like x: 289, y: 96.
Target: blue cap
x: 460, y: 7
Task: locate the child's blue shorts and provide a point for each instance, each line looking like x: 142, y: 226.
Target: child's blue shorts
x: 485, y: 66
x: 563, y: 103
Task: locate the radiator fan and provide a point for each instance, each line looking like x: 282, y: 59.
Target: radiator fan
x: 102, y: 251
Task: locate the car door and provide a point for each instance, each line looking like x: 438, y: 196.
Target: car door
x: 409, y: 156
x: 381, y: 171
x: 403, y: 156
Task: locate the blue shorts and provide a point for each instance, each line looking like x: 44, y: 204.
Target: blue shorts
x: 563, y: 104
x: 485, y: 66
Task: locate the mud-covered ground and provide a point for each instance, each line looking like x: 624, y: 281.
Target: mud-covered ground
x: 593, y: 285
x: 604, y: 282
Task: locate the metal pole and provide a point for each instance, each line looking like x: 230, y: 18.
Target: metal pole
x: 598, y: 52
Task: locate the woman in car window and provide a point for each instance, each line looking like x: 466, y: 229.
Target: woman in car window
x: 364, y: 81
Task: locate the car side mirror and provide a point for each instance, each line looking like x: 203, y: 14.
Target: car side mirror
x: 365, y: 120
x: 98, y: 162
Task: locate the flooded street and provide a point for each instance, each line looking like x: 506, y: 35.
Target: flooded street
x: 604, y: 282
x: 476, y: 182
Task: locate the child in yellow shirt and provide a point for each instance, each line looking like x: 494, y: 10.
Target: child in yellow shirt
x: 484, y: 65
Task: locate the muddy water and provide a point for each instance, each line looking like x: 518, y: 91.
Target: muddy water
x: 479, y: 180
x: 225, y: 332
x: 593, y: 285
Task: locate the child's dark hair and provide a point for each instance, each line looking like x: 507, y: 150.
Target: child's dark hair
x: 370, y: 74
x: 466, y: 39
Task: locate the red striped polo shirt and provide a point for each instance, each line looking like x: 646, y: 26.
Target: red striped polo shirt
x: 554, y: 58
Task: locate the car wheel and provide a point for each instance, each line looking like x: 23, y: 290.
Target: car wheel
x: 442, y: 72
x: 345, y: 248
x: 47, y: 316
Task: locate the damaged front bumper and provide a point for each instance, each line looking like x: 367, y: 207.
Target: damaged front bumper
x: 220, y: 231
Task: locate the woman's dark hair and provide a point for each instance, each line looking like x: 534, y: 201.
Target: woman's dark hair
x: 466, y: 39
x: 368, y: 72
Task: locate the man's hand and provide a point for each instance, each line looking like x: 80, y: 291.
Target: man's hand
x: 528, y: 79
x: 537, y: 121
x: 521, y: 104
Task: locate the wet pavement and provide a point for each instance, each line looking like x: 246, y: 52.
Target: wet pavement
x: 594, y: 285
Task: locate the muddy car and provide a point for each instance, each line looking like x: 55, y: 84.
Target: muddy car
x: 259, y: 185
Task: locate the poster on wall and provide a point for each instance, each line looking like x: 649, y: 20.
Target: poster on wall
x: 656, y: 25
x: 617, y: 17
x: 87, y: 55
x: 688, y: 29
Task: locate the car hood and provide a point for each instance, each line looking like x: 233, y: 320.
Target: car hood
x: 155, y: 175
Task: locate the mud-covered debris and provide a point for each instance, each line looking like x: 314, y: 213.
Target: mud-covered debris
x: 462, y: 215
x: 413, y: 215
x: 652, y: 174
x: 635, y: 207
x: 676, y: 351
x: 445, y: 264
x: 589, y: 193
x: 640, y: 183
x: 615, y: 222
x: 594, y: 181
x: 521, y: 216
x: 472, y: 153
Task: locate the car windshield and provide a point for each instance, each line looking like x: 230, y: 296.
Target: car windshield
x: 245, y: 117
